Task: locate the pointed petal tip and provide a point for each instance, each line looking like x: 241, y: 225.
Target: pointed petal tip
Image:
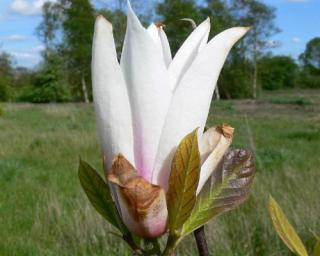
x: 102, y: 21
x: 129, y: 6
x: 245, y: 29
x: 231, y: 35
x: 205, y: 23
x: 132, y: 19
x: 130, y: 11
x: 129, y: 3
x: 99, y: 17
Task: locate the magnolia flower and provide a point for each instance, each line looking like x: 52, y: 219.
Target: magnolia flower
x: 146, y: 104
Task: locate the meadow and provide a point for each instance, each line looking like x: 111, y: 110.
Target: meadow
x: 43, y: 210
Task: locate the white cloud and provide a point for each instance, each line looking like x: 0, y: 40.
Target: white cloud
x: 296, y: 39
x: 13, y: 38
x: 28, y: 7
x: 28, y: 57
x: 24, y: 55
x: 273, y: 44
x: 38, y: 48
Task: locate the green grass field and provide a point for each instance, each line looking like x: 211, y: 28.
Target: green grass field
x: 43, y: 210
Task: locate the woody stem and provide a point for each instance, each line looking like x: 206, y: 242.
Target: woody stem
x: 201, y: 241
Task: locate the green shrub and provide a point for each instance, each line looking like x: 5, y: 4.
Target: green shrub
x: 1, y: 110
x: 4, y: 88
x: 236, y: 81
x: 309, y: 80
x: 52, y: 92
x: 277, y: 72
x: 49, y: 85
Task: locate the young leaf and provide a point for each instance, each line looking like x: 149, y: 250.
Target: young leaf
x: 316, y: 250
x: 99, y: 195
x: 228, y: 187
x: 183, y: 181
x: 285, y: 230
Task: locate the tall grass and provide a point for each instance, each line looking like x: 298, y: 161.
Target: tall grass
x: 43, y: 210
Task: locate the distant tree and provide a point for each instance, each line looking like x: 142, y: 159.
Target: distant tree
x: 171, y: 12
x: 261, y: 17
x: 67, y: 29
x: 50, y: 24
x: 310, y: 60
x: 6, y: 76
x: 311, y: 56
x: 78, y: 25
x: 219, y: 13
x: 278, y: 72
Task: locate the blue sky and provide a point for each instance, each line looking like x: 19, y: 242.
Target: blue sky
x: 299, y: 21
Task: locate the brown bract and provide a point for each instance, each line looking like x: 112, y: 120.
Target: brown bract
x: 160, y: 25
x: 226, y: 130
x: 141, y: 202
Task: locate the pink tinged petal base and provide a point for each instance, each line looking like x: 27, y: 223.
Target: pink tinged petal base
x: 153, y: 225
x: 191, y: 101
x: 149, y: 93
x: 110, y: 95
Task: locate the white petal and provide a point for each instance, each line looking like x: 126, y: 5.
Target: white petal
x: 187, y: 53
x: 161, y: 40
x: 207, y: 142
x: 165, y: 47
x: 212, y: 146
x: 204, y: 41
x: 190, y: 104
x: 153, y: 32
x: 110, y: 95
x: 149, y: 92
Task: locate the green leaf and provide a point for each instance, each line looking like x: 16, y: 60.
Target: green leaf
x: 316, y: 250
x: 99, y: 195
x: 228, y: 187
x: 285, y: 230
x: 183, y: 181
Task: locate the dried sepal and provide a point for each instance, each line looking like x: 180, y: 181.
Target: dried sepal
x: 143, y: 205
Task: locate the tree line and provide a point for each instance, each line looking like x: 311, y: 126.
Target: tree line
x: 66, y: 31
